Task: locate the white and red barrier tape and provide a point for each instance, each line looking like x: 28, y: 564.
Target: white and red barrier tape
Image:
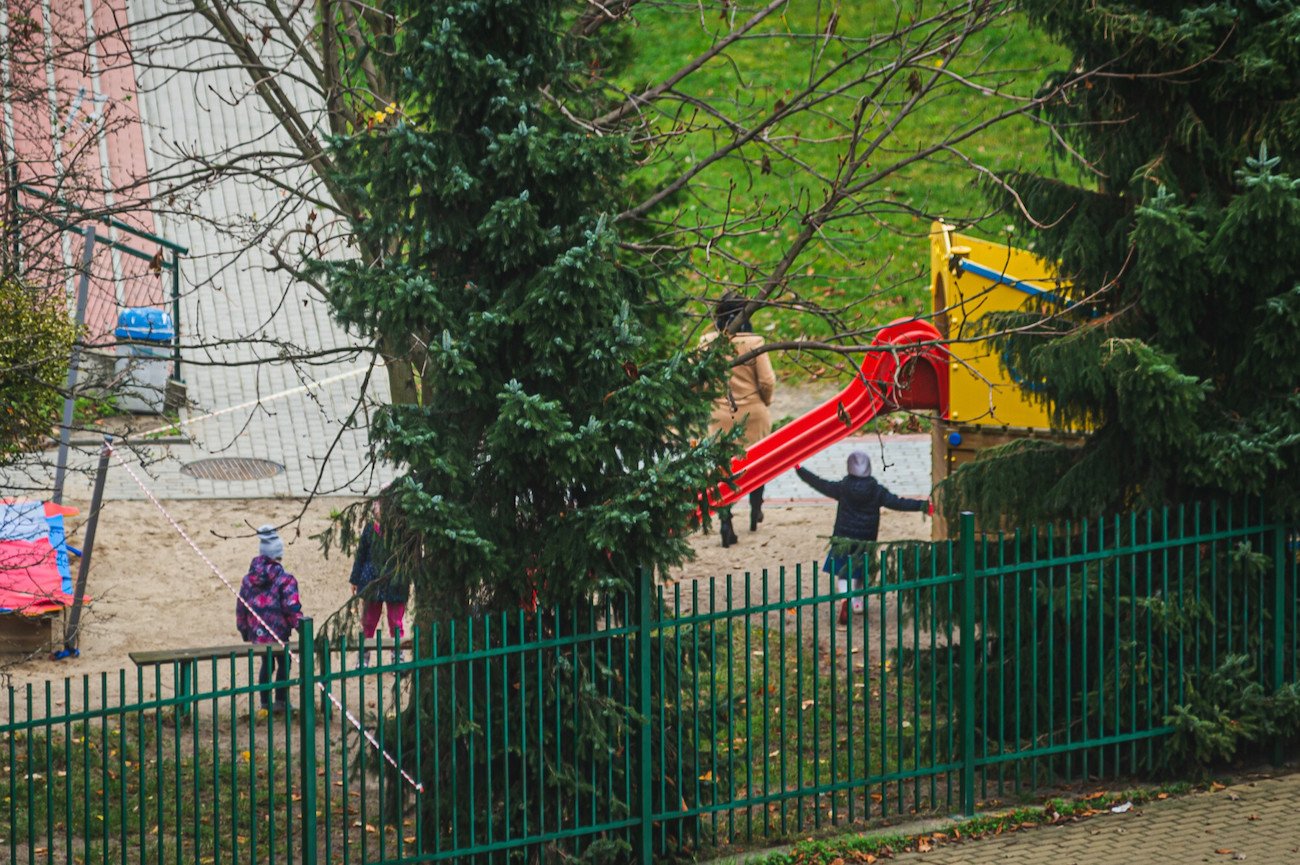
x: 352, y: 719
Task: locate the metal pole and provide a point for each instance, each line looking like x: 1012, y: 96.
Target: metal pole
x: 967, y: 663
x: 13, y: 218
x: 645, y: 781
x: 307, y: 740
x: 1280, y: 562
x: 70, y: 398
x: 176, y: 318
x: 71, y: 637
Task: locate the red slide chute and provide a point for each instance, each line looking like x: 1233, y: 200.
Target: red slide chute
x: 908, y: 370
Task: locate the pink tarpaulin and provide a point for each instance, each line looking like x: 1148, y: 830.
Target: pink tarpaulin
x: 35, y: 577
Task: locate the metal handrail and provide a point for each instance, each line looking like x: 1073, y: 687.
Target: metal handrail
x: 110, y: 221
x: 172, y: 264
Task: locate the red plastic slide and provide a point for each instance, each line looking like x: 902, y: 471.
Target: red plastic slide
x: 911, y: 372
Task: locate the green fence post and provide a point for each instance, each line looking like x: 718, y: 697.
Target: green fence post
x: 967, y: 663
x: 307, y: 738
x: 1279, y: 619
x: 644, y: 592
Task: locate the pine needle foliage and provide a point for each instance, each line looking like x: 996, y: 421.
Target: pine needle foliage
x: 1179, y: 243
x: 557, y: 445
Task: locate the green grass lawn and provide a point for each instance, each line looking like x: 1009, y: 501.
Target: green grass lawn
x: 871, y: 267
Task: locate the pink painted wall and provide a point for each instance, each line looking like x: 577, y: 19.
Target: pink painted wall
x: 64, y: 149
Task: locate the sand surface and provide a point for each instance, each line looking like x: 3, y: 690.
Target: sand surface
x: 152, y: 591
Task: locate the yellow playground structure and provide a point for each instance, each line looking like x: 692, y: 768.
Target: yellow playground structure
x: 988, y: 404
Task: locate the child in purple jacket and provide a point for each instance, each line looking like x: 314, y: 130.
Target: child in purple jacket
x: 270, y: 592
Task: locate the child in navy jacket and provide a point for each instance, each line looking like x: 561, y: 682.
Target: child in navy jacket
x: 857, y: 521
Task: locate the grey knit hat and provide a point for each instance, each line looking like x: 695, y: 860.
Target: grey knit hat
x: 860, y: 464
x: 269, y: 543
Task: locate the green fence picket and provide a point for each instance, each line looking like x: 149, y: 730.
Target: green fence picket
x: 666, y: 719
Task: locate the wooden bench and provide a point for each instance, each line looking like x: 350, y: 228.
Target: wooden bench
x: 187, y: 661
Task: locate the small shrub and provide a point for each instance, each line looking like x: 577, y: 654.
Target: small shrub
x: 35, y: 339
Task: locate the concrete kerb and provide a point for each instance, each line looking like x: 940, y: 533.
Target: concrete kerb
x: 1151, y: 795
x: 911, y: 830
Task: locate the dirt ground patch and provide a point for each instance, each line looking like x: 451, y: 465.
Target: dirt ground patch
x: 153, y: 592
x: 790, y: 535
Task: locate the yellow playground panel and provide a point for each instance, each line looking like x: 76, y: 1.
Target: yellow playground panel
x: 988, y: 404
x: 972, y: 278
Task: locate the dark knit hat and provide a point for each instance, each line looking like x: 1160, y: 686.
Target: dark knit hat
x: 727, y: 308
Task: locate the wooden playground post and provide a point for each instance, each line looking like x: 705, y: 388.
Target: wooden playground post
x: 70, y: 398
x: 71, y: 635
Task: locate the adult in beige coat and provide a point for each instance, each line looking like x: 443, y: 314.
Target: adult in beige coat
x: 746, y: 401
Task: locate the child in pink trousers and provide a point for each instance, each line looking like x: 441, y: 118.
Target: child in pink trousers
x: 375, y: 579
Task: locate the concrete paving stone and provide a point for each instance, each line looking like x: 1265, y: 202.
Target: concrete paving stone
x: 900, y: 462
x: 232, y: 293
x: 1260, y: 825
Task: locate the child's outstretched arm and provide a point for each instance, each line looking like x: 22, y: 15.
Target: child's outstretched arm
x: 827, y: 488
x: 898, y: 503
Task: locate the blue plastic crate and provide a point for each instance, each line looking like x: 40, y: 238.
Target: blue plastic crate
x: 145, y: 324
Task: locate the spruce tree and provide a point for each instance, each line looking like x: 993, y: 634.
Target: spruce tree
x: 1179, y: 242
x: 555, y: 447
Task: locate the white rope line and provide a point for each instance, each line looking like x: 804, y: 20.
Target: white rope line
x: 369, y: 736
x: 304, y: 388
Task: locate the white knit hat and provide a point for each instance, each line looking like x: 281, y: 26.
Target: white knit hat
x: 269, y: 543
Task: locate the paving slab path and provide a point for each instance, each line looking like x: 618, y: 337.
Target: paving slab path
x: 1255, y: 820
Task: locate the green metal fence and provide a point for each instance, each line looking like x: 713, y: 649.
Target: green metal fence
x: 677, y: 718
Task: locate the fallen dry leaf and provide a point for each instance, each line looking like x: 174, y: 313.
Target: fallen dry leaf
x: 1223, y: 851
x: 1252, y: 817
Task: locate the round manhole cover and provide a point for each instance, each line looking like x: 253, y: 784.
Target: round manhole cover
x: 232, y: 469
